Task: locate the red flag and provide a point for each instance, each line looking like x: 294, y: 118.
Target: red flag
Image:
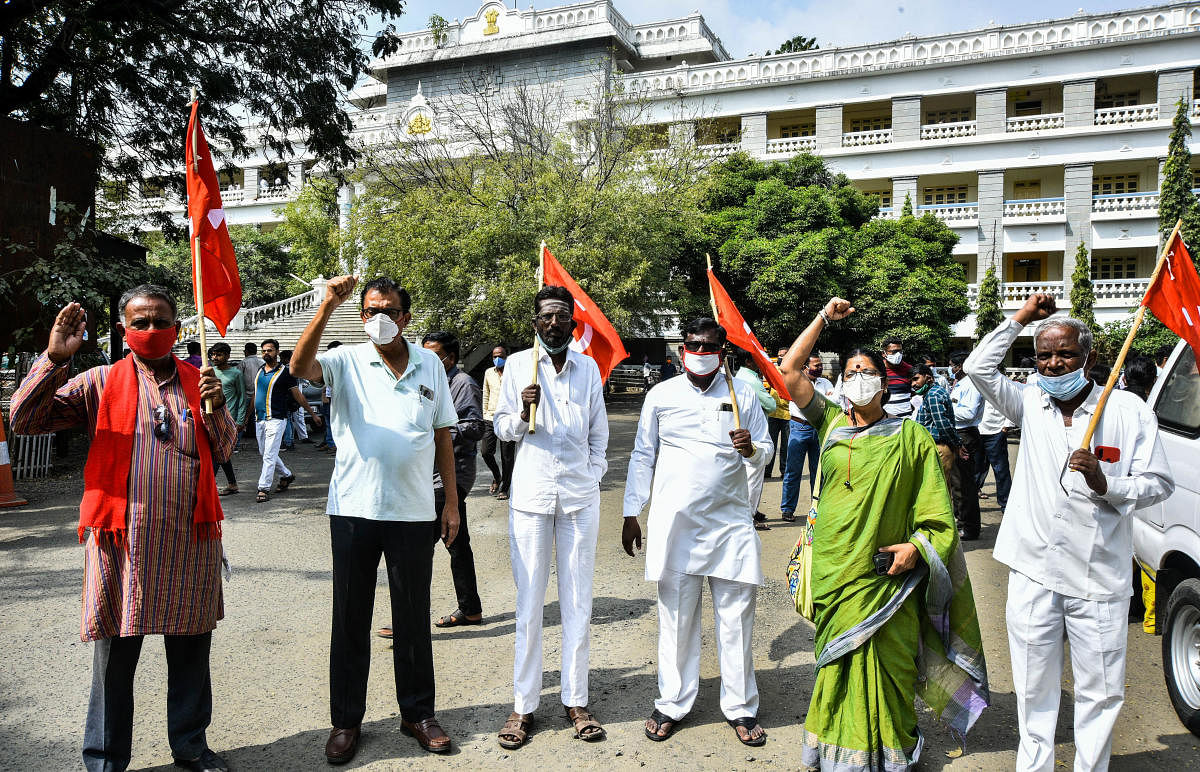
x: 211, y: 246
x: 594, y: 334
x: 1174, y: 295
x: 740, y: 335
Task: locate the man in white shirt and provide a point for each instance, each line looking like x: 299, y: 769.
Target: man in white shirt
x: 803, y: 443
x: 688, y: 451
x: 1066, y: 537
x: 554, y: 505
x: 968, y: 412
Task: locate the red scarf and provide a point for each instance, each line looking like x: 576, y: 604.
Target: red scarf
x: 106, y: 475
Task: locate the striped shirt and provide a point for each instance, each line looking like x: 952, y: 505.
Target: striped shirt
x: 167, y: 583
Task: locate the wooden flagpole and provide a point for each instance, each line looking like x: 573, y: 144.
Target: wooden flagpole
x: 537, y: 349
x: 712, y: 299
x: 198, y: 270
x: 1137, y: 322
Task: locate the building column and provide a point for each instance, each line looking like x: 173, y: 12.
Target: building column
x: 991, y: 111
x: 754, y: 134
x: 295, y: 178
x: 1077, y: 190
x: 1079, y: 103
x: 682, y: 134
x: 991, y: 223
x: 906, y: 119
x: 250, y: 183
x: 829, y: 127
x: 1173, y: 85
x: 903, y: 187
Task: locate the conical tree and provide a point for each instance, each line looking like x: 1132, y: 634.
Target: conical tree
x: 1176, y: 200
x: 987, y: 311
x: 1083, y: 294
x: 907, y: 209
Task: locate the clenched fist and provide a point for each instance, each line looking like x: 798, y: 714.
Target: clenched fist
x: 338, y: 290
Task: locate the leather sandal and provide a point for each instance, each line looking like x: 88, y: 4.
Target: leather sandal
x: 262, y: 496
x: 515, y: 731
x: 457, y: 619
x: 284, y: 482
x: 748, y: 723
x: 660, y: 720
x: 587, y: 728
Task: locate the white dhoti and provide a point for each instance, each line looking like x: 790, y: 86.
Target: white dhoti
x: 754, y: 481
x: 534, y: 539
x: 679, y: 643
x: 1097, y: 631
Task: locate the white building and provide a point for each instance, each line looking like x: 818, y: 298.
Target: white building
x: 1026, y: 139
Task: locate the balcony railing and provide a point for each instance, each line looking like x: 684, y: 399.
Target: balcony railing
x: 719, y: 150
x: 1124, y: 290
x: 1126, y: 202
x: 1196, y: 108
x: 1017, y: 291
x: 233, y: 195
x: 952, y: 212
x: 1109, y: 292
x: 862, y: 138
x: 1108, y: 116
x: 1035, y: 207
x: 948, y: 130
x: 791, y: 145
x: 275, y: 192
x: 1036, y: 122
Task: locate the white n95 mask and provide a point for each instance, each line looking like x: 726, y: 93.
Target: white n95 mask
x: 381, y: 329
x: 861, y: 389
x: 700, y: 364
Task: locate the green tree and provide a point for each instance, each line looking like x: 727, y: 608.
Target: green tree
x: 787, y: 235
x: 987, y: 309
x: 309, y: 230
x: 1151, y: 336
x: 1083, y: 295
x: 795, y: 45
x: 462, y: 232
x: 907, y: 209
x: 437, y: 28
x: 1176, y: 200
x: 118, y: 73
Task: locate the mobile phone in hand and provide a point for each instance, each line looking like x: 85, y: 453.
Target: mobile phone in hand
x: 883, y: 562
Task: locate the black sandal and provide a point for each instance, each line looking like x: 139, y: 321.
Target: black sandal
x: 457, y: 619
x: 748, y: 723
x: 789, y: 517
x: 661, y: 718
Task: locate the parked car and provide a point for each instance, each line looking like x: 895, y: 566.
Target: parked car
x: 1166, y: 536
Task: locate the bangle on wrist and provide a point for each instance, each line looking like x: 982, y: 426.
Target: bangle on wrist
x: 824, y: 316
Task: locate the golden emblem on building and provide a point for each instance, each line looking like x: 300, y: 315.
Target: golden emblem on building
x: 492, y: 16
x: 419, y: 124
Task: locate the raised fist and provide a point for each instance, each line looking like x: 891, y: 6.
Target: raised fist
x: 837, y: 309
x: 338, y: 290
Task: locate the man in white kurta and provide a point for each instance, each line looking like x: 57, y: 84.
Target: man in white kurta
x: 688, y: 465
x: 555, y: 500
x: 1066, y: 535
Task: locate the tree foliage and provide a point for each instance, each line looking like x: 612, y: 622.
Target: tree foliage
x: 458, y: 219
x: 788, y: 235
x: 1176, y: 200
x: 118, y: 73
x: 1151, y: 336
x: 1083, y: 295
x: 988, y: 314
x: 795, y: 45
x: 309, y: 230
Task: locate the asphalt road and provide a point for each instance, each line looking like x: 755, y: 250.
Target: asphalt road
x: 270, y: 668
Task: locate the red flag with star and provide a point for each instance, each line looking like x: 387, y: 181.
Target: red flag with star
x: 739, y: 334
x: 1174, y: 295
x: 594, y: 334
x: 212, y: 251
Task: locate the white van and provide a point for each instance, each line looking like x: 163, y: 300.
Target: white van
x: 1166, y: 536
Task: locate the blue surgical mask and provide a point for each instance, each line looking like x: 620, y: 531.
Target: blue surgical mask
x: 1065, y: 386
x: 498, y: 361
x: 552, y: 350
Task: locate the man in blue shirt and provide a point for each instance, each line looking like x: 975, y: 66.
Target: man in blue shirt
x: 392, y: 414
x: 272, y: 387
x: 936, y: 414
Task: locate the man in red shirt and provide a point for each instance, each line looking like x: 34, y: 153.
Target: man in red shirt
x: 899, y: 380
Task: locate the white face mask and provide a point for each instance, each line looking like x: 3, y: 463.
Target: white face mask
x: 381, y: 329
x: 895, y: 359
x: 700, y: 364
x: 861, y: 389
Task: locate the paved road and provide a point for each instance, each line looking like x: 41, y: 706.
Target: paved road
x: 270, y: 668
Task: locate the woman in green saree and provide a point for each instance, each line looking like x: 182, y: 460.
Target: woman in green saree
x: 882, y: 640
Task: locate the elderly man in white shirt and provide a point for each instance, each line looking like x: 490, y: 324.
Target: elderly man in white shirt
x: 554, y: 505
x: 1066, y: 535
x: 700, y: 526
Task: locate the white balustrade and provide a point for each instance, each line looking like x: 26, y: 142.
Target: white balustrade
x: 719, y: 150
x: 1196, y: 108
x: 791, y: 145
x: 864, y: 138
x: 252, y: 317
x: 972, y: 294
x: 1126, y: 202
x: 948, y: 130
x: 1036, y: 207
x: 952, y: 212
x: 280, y: 192
x: 232, y: 195
x: 1128, y: 291
x: 1109, y: 116
x: 1037, y: 122
x: 1017, y: 291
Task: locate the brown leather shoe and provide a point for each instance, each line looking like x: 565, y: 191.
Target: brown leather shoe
x: 429, y: 734
x: 341, y: 745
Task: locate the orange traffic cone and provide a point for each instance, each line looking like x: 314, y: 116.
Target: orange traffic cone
x: 8, y: 497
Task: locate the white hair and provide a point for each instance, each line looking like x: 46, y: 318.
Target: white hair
x: 1085, y: 332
